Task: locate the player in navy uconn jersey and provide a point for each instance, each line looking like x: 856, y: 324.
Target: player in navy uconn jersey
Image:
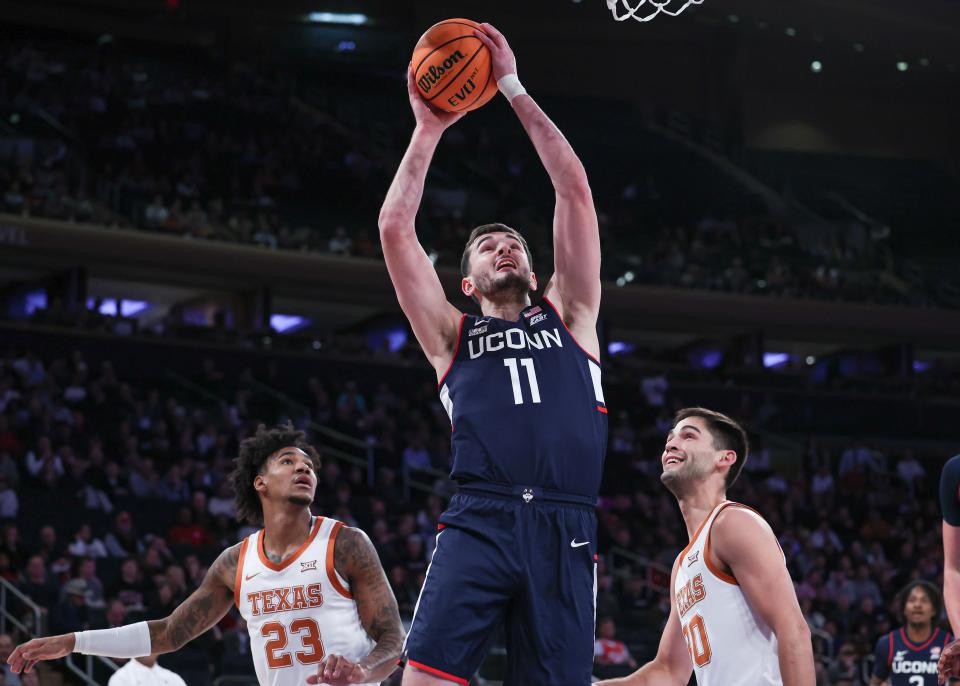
x: 908, y: 656
x: 521, y: 384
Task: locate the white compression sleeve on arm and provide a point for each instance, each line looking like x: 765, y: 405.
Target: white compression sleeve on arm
x: 132, y: 640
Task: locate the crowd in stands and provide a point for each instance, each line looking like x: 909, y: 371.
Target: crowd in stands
x: 185, y: 145
x: 113, y: 490
x: 114, y: 501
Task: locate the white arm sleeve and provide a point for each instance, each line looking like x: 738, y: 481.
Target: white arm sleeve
x: 132, y: 640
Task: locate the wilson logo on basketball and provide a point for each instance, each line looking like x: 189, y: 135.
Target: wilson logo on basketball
x: 460, y: 96
x: 436, y: 71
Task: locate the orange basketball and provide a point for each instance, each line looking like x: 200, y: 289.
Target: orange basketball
x: 452, y: 67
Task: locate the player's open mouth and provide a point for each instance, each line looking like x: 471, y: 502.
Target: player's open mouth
x: 302, y: 481
x: 506, y: 264
x: 673, y: 459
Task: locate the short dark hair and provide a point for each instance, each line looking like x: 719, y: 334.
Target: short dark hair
x: 483, y: 230
x: 933, y: 593
x: 253, y: 455
x: 727, y: 435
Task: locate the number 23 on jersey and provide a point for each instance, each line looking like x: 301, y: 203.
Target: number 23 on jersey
x: 276, y: 645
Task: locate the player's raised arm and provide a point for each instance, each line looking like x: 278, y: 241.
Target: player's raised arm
x: 433, y: 319
x: 671, y: 666
x: 198, y: 613
x: 575, y: 286
x: 746, y: 544
x: 356, y: 559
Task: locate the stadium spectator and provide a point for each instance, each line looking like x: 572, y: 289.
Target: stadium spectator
x: 236, y: 658
x: 37, y: 584
x: 611, y: 656
x: 8, y: 467
x: 7, y: 678
x: 910, y: 470
x: 844, y: 670
x: 72, y: 613
x: 123, y: 540
x: 85, y: 544
x: 9, y: 503
x: 187, y: 532
x: 130, y: 589
x: 144, y: 671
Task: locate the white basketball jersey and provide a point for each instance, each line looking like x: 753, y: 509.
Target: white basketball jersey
x: 729, y: 644
x: 299, y: 610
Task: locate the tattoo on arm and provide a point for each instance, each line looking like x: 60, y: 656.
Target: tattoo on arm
x: 199, y: 612
x: 356, y: 559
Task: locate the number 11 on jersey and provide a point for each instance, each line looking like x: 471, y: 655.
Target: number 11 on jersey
x: 527, y: 363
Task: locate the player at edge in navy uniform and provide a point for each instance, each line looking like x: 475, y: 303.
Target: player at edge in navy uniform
x: 949, y: 666
x: 908, y: 655
x: 521, y: 385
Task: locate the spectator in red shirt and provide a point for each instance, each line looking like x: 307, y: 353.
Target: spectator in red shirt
x: 186, y: 532
x: 611, y: 657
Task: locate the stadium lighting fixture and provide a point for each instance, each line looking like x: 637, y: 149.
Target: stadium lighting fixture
x: 123, y: 307
x: 775, y: 359
x: 620, y: 347
x: 353, y: 18
x: 709, y: 359
x: 902, y: 66
x: 287, y: 323
x: 816, y: 66
x: 36, y: 300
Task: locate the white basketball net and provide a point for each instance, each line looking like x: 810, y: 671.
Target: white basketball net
x: 645, y: 10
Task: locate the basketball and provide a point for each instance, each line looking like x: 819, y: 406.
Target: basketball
x: 452, y: 67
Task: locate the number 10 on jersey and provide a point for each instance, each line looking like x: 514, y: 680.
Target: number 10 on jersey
x: 695, y: 635
x: 527, y: 363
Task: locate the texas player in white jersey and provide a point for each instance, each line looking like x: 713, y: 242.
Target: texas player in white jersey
x: 734, y: 616
x: 317, y: 603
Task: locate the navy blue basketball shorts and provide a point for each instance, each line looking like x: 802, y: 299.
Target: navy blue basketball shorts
x: 515, y: 557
